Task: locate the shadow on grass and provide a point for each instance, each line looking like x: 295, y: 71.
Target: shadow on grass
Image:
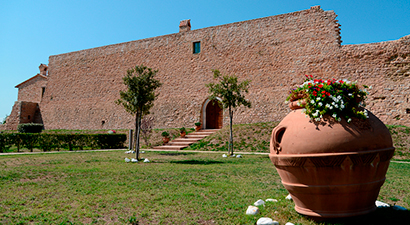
x: 381, y: 216
x: 193, y: 161
x: 177, y: 153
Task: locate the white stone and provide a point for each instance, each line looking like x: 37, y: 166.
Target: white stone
x: 259, y: 202
x: 271, y: 200
x: 399, y: 208
x: 127, y: 160
x: 146, y: 161
x: 142, y: 152
x: 289, y: 223
x: 239, y: 156
x: 289, y: 197
x: 128, y: 152
x: 224, y: 155
x: 252, y: 210
x: 266, y: 221
x: 381, y: 204
x: 134, y: 160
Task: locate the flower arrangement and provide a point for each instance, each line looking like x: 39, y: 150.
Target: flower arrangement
x: 337, y: 98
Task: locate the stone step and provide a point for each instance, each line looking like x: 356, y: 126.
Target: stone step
x: 180, y: 143
x: 196, y: 136
x: 186, y: 139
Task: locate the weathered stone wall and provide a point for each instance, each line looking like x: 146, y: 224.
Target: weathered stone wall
x: 273, y: 52
x: 385, y: 67
x: 23, y: 112
x: 32, y: 89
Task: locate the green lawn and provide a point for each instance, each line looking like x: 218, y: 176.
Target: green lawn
x: 175, y: 188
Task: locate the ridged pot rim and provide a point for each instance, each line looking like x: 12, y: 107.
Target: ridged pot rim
x: 284, y: 155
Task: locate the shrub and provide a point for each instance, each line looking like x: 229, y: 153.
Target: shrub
x: 30, y: 128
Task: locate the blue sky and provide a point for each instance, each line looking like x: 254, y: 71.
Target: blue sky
x: 31, y: 31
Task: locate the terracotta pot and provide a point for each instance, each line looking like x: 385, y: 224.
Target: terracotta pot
x: 331, y: 169
x: 183, y: 134
x: 197, y: 128
x: 165, y: 140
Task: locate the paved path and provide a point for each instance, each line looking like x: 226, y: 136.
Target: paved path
x: 152, y: 150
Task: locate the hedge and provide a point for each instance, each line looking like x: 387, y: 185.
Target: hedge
x: 48, y: 142
x: 30, y: 128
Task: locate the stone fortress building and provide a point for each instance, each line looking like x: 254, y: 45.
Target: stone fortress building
x: 77, y: 90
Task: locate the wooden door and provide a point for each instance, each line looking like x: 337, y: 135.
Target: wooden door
x: 213, y: 115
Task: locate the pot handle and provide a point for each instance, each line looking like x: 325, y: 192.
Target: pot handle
x: 276, y: 138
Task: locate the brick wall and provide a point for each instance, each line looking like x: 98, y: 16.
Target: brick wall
x: 31, y: 90
x: 23, y: 112
x: 273, y: 52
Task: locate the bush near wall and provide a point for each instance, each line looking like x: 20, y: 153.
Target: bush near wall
x: 48, y: 142
x: 30, y: 128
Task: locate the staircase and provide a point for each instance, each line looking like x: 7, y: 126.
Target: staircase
x: 180, y: 143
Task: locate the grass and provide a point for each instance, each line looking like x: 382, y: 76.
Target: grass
x: 175, y: 188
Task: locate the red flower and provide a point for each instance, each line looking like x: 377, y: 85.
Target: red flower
x: 340, y: 81
x: 320, y: 85
x: 314, y: 93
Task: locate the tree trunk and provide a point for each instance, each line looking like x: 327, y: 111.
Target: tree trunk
x: 230, y: 149
x: 137, y: 135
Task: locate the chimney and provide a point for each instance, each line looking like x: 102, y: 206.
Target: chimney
x: 184, y: 25
x: 43, y: 69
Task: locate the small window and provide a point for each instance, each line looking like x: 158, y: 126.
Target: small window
x: 408, y: 111
x: 197, y: 47
x: 43, y: 89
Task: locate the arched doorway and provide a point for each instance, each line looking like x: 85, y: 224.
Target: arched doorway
x: 212, y: 115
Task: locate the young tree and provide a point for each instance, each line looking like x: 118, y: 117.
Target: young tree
x: 139, y: 97
x: 231, y: 94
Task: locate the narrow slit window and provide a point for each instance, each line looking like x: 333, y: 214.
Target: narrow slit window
x: 197, y: 47
x: 43, y: 89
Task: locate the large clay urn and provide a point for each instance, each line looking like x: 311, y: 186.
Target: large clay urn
x: 331, y: 169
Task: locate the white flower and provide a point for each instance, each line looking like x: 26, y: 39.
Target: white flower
x: 339, y: 119
x: 342, y: 106
x: 298, y: 103
x: 336, y: 106
x: 320, y: 104
x: 286, y: 102
x: 334, y: 115
x: 317, y: 119
x: 349, y: 120
x: 350, y: 94
x: 312, y: 101
x: 303, y: 110
x: 339, y: 97
x: 330, y: 107
x: 317, y: 99
x: 327, y: 105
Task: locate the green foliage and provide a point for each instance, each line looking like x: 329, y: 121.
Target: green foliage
x: 165, y: 134
x: 337, y: 98
x: 231, y: 94
x: 182, y: 130
x: 229, y: 90
x: 140, y: 94
x: 30, y: 128
x: 198, y: 124
x: 139, y: 97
